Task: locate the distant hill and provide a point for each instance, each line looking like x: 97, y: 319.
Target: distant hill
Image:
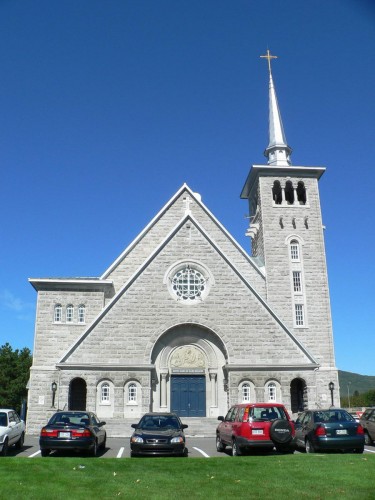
x: 360, y: 383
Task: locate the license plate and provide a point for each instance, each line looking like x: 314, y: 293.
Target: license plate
x: 257, y: 431
x: 341, y: 431
x: 64, y: 434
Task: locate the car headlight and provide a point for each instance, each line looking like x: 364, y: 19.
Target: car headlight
x: 136, y: 439
x: 177, y: 440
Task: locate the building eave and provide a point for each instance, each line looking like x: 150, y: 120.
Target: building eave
x: 74, y: 284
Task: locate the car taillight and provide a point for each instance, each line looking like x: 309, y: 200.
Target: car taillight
x: 81, y: 433
x: 360, y: 430
x: 47, y: 432
x: 320, y: 431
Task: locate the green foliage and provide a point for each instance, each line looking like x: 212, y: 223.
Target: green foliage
x: 356, y: 382
x: 14, y: 374
x: 356, y: 400
x: 318, y: 476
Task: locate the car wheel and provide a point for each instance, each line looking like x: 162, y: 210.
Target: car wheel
x: 368, y: 440
x: 359, y: 450
x: 45, y: 452
x: 236, y: 450
x: 103, y: 445
x: 19, y: 444
x: 5, y: 448
x: 281, y: 431
x: 309, y: 446
x: 220, y: 446
x: 94, y: 449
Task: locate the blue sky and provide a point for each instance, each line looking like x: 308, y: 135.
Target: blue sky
x: 108, y: 107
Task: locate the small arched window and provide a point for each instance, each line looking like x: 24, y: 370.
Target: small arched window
x: 289, y: 192
x: 276, y: 193
x: 301, y: 193
x: 132, y: 393
x: 69, y: 313
x: 271, y: 391
x: 58, y: 313
x: 294, y: 251
x: 245, y: 389
x: 105, y: 393
x: 81, y: 314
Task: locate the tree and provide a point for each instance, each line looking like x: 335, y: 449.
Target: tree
x: 14, y: 374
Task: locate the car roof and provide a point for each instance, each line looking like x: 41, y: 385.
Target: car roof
x: 158, y: 414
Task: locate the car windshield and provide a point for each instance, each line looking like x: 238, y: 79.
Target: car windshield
x: 268, y: 413
x: 332, y: 416
x: 3, y: 419
x: 158, y: 422
x: 68, y: 418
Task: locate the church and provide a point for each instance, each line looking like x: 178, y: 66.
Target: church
x: 186, y: 320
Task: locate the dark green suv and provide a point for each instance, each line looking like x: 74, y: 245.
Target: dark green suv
x: 367, y: 421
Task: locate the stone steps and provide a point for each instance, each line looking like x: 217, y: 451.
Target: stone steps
x: 202, y: 427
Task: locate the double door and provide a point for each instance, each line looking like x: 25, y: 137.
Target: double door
x: 188, y: 395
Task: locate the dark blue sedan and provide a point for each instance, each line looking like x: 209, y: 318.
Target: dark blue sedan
x: 333, y: 429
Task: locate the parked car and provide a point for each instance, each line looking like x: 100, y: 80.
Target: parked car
x: 73, y: 430
x: 12, y: 430
x: 256, y: 425
x: 333, y: 429
x: 367, y: 421
x: 158, y: 434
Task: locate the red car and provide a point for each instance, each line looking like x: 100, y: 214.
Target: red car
x: 256, y: 425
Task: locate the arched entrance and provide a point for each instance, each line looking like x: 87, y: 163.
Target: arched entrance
x: 189, y: 377
x: 298, y: 395
x: 77, y: 394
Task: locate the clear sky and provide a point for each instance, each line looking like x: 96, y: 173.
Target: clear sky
x: 108, y: 106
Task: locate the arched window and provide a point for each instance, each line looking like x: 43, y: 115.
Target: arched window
x: 81, y: 314
x: 58, y: 313
x: 69, y: 313
x: 132, y: 393
x: 294, y: 251
x: 245, y: 389
x: 271, y: 392
x: 105, y: 393
x: 276, y: 193
x: 301, y: 193
x: 289, y: 193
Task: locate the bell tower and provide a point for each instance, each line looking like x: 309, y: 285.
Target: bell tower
x: 286, y: 234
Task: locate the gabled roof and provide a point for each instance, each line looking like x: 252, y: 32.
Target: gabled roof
x: 153, y: 255
x: 254, y: 263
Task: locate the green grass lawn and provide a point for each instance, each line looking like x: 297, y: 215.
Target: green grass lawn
x: 275, y: 476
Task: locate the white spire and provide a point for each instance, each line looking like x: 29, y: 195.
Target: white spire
x: 278, y: 152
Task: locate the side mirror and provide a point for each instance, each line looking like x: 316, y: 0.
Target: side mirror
x: 134, y: 426
x: 184, y: 426
x: 102, y: 423
x: 221, y: 418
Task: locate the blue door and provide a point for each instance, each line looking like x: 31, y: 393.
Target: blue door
x: 188, y: 395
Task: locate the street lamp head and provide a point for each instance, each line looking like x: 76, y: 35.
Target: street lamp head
x: 331, y: 386
x: 54, y: 387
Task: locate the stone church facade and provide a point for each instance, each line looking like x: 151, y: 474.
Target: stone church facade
x: 186, y: 320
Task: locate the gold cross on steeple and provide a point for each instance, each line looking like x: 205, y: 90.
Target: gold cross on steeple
x: 269, y: 57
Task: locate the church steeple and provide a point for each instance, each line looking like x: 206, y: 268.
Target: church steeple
x: 278, y: 152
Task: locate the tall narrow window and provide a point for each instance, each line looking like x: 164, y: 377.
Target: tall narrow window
x: 276, y: 193
x: 289, y: 192
x: 245, y: 392
x: 132, y: 393
x: 294, y: 250
x: 105, y: 393
x: 301, y: 193
x: 297, y: 286
x: 81, y: 314
x: 58, y: 313
x: 271, y: 389
x: 69, y: 313
x: 299, y: 315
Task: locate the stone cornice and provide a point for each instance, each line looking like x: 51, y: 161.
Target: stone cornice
x: 269, y: 367
x: 74, y: 284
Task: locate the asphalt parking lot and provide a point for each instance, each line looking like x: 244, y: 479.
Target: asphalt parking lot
x: 120, y: 448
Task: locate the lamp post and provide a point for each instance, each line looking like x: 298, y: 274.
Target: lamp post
x: 331, y: 387
x: 349, y: 394
x: 54, y: 389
